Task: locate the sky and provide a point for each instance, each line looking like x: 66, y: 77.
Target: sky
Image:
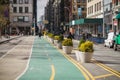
x: 40, y: 8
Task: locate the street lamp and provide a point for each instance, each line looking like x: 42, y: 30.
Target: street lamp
x: 103, y: 20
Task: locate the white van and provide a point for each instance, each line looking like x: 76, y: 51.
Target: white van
x: 109, y: 41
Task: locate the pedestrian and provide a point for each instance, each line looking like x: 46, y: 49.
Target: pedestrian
x: 70, y: 36
x: 40, y: 34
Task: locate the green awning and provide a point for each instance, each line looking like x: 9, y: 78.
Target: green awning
x: 118, y: 16
x: 89, y: 21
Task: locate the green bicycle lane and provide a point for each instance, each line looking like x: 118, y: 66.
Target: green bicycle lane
x: 47, y: 63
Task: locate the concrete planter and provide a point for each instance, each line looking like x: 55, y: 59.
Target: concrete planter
x: 55, y: 42
x: 67, y: 49
x: 52, y: 40
x: 77, y: 55
x: 59, y: 45
x: 84, y: 57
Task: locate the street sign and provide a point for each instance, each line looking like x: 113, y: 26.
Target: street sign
x: 79, y: 11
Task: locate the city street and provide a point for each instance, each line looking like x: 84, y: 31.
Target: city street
x: 50, y: 63
x: 59, y: 39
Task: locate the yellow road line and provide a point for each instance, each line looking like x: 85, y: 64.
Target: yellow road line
x: 82, y: 69
x: 87, y: 78
x: 75, y: 63
x: 107, y: 68
x: 103, y: 76
x: 90, y: 75
x: 53, y: 72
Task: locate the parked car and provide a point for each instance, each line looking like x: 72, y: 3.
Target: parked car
x: 109, y: 42
x: 117, y: 42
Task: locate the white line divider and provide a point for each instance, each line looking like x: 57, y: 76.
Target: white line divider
x: 26, y: 66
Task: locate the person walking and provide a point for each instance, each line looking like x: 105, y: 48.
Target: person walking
x: 40, y: 34
x: 70, y: 36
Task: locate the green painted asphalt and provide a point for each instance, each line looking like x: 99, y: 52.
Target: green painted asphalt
x: 44, y: 55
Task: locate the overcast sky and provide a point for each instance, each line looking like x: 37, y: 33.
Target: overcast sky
x: 40, y: 7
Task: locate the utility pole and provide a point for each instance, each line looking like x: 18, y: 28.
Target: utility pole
x: 103, y: 20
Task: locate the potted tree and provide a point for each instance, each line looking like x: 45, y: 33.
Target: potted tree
x: 67, y: 45
x: 85, y: 51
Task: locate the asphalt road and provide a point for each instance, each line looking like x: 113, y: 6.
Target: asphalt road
x: 15, y: 57
x: 6, y: 46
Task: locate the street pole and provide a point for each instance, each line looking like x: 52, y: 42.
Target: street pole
x: 103, y: 21
x: 34, y: 26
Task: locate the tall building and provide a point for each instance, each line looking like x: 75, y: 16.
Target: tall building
x: 107, y: 15
x: 21, y: 16
x: 54, y: 14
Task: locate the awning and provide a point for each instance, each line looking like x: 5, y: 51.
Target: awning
x: 118, y: 16
x: 89, y: 21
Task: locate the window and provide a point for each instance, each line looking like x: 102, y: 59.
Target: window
x: 117, y: 2
x: 20, y: 9
x: 26, y: 1
x: 83, y: 1
x: 20, y: 1
x: 20, y: 19
x: 78, y: 1
x: 26, y: 9
x: 99, y: 5
x: 95, y: 7
x: 15, y: 9
x: 26, y: 18
x: 89, y: 0
x: 83, y: 8
x: 15, y: 19
x: 14, y: 1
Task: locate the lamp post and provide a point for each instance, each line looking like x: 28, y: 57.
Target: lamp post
x: 10, y: 10
x: 103, y: 20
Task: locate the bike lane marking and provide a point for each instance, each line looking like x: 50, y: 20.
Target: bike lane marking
x: 73, y: 63
x: 41, y: 60
x: 65, y: 69
x: 39, y: 65
x: 53, y: 72
x: 84, y: 71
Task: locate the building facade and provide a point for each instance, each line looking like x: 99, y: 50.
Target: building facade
x: 107, y: 15
x: 54, y: 14
x: 94, y: 8
x: 21, y: 16
x: 116, y: 15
